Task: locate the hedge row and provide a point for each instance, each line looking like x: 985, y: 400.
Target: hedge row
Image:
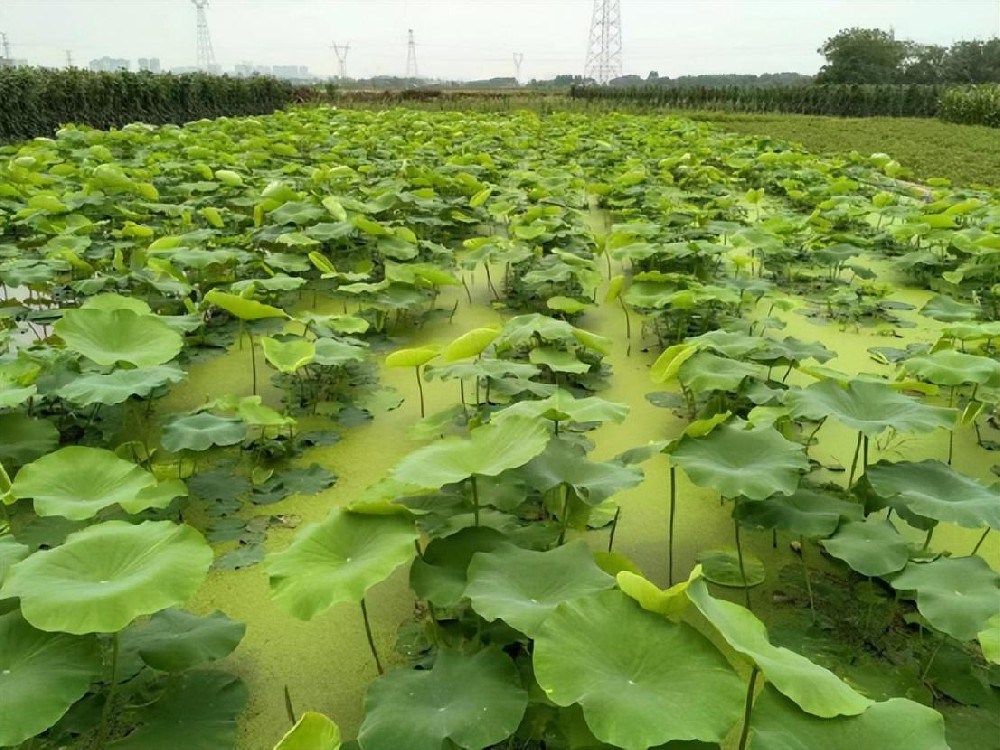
x: 36, y: 102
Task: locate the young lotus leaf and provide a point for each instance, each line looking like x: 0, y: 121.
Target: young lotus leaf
x: 742, y: 463
x: 867, y: 407
x: 440, y: 574
x: 174, y: 640
x: 120, y: 385
x: 470, y: 344
x: 722, y: 567
x: 410, y: 357
x: 563, y: 406
x: 470, y: 702
x: 935, y: 490
x: 956, y: 595
x: 78, y: 482
x: 523, y: 587
x: 871, y: 547
x: 109, y: 337
x: 338, y: 560
x: 706, y: 372
x: 489, y: 451
x: 623, y: 665
x: 201, y: 431
x: 313, y: 731
x: 558, y: 360
x: 242, y: 307
x: 566, y: 463
x: 41, y: 676
x: 670, y: 603
x: 814, y: 689
x: 288, y: 356
x: 105, y: 576
x: 805, y: 512
x: 197, y: 711
x: 668, y: 364
x: 24, y: 438
x: 897, y: 723
x: 955, y: 368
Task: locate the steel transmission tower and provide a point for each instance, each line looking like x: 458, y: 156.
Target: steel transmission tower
x: 518, y: 61
x: 604, y: 51
x: 341, y: 53
x: 206, y: 55
x: 411, y: 58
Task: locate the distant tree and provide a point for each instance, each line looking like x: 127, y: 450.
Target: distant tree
x: 653, y: 75
x: 924, y: 63
x: 973, y: 62
x: 862, y: 56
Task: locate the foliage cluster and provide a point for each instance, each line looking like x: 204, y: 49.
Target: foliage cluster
x: 974, y: 105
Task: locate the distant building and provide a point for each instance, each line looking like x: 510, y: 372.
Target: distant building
x: 291, y: 72
x: 109, y: 64
x: 149, y: 64
x: 247, y: 69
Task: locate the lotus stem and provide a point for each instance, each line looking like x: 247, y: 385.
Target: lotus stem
x: 670, y: 525
x: 368, y: 635
x: 628, y: 326
x: 468, y: 292
x: 614, y: 528
x: 805, y: 571
x: 748, y: 708
x: 930, y: 661
x: 565, y: 514
x: 253, y: 363
x: 854, y: 462
x: 927, y: 539
x: 420, y: 390
x: 981, y: 540
x: 475, y: 499
x: 102, y: 731
x: 812, y: 435
x: 289, y: 708
x: 739, y: 552
x: 864, y: 458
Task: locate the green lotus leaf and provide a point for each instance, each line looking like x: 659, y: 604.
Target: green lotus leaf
x: 489, y: 451
x: 791, y: 350
x: 112, y: 301
x: 333, y: 353
x: 989, y: 639
x: 11, y: 552
x: 410, y: 357
x: 109, y: 337
x: 566, y: 305
x: 706, y: 372
x: 871, y: 547
x: 948, y: 310
x: 338, y: 560
x: 118, y: 386
x: 174, y: 640
x: 77, y: 482
x: 623, y: 665
x: 495, y: 369
x: 197, y: 711
x: 252, y: 410
x: 739, y: 462
x: 522, y: 329
x: 956, y: 595
x: 806, y: 512
x: 557, y: 360
x: 935, y: 490
x: 201, y: 431
x: 41, y: 676
x: 312, y: 731
x: 288, y: 356
x: 469, y: 702
x: 670, y: 603
x: 345, y: 324
x: 722, y: 567
x: 563, y: 406
x: 668, y: 364
x: 523, y: 587
x: 814, y: 689
x: 440, y: 574
x: 24, y: 438
x: 242, y: 307
x: 954, y: 368
x: 566, y: 463
x: 470, y: 344
x: 868, y: 407
x: 12, y: 395
x: 778, y: 724
x: 6, y: 498
x: 729, y: 343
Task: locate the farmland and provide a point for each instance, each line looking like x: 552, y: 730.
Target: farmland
x: 493, y: 430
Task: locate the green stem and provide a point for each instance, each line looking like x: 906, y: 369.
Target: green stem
x: 368, y: 635
x: 930, y: 535
x: 981, y: 540
x: 565, y: 514
x: 253, y: 363
x: 930, y: 661
x: 670, y: 526
x: 748, y: 708
x: 854, y: 462
x: 812, y: 435
x: 102, y: 731
x: 805, y: 570
x: 739, y: 552
x: 420, y: 389
x: 475, y: 498
x: 614, y: 528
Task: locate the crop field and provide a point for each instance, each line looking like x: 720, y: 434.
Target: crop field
x: 411, y: 430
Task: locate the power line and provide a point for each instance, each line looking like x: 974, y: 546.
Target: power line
x: 411, y: 57
x: 206, y: 55
x: 604, y: 49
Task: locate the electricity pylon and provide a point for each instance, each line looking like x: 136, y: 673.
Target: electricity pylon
x: 411, y: 58
x: 206, y: 55
x: 518, y: 60
x: 341, y: 53
x: 604, y: 51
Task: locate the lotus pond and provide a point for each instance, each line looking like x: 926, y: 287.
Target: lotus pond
x: 421, y: 431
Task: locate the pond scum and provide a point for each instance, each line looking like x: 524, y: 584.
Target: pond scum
x: 564, y: 432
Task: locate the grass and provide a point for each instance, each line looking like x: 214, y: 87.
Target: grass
x: 965, y: 154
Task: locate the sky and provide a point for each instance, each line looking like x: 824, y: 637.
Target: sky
x: 472, y: 39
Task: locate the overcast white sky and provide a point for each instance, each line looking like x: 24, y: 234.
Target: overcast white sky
x: 476, y: 38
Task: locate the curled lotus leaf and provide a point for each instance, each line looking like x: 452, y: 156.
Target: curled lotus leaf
x: 470, y: 344
x: 313, y: 731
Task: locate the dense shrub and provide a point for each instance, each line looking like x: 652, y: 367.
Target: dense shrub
x: 972, y: 105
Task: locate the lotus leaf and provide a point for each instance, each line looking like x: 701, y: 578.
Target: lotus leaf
x: 897, y: 723
x: 668, y: 364
x: 742, y: 463
x: 201, y: 431
x: 338, y: 560
x: 470, y: 702
x: 243, y: 307
x: 955, y: 368
x: 806, y: 512
x: 288, y: 356
x: 440, y: 573
x: 948, y: 310
x: 558, y: 360
x: 109, y: 337
x: 814, y: 689
x: 410, y: 357
x: 871, y: 547
x: 722, y: 567
x: 312, y: 731
x: 11, y: 551
x: 565, y: 463
x: 523, y: 587
x: 105, y: 576
x: 118, y: 386
x: 623, y: 665
x: 111, y: 301
x: 521, y: 330
x: 956, y: 595
x: 470, y: 344
x: 706, y: 372
x: 671, y: 603
x: 334, y: 353
x: 562, y: 406
x: 174, y: 640
x: 41, y: 676
x: 989, y: 639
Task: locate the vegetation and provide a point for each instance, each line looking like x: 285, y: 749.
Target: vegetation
x: 38, y: 102
x: 976, y: 105
x: 313, y: 250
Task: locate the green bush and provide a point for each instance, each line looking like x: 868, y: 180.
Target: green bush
x: 972, y: 105
x: 36, y: 102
